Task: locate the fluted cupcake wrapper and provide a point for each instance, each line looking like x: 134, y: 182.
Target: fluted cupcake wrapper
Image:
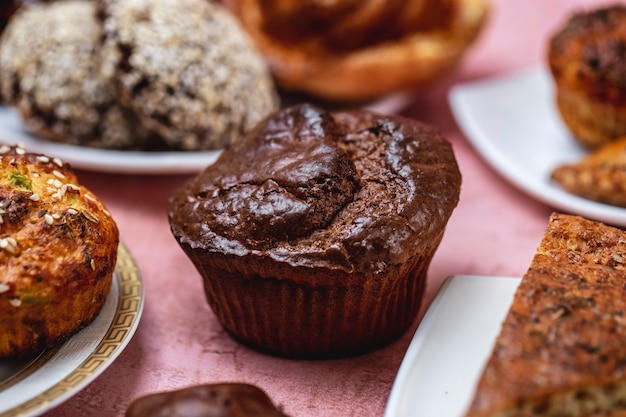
x: 297, y: 320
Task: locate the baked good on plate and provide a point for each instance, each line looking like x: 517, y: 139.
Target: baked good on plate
x: 187, y: 70
x: 356, y: 49
x: 587, y: 62
x: 50, y: 72
x: 315, y: 232
x: 599, y: 175
x: 58, y: 248
x: 560, y: 350
x: 211, y: 400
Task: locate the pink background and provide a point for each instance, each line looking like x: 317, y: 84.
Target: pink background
x: 494, y: 231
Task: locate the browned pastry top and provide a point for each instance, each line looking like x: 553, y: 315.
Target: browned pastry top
x: 58, y: 249
x: 561, y: 346
x: 346, y: 190
x: 214, y: 400
x: 589, y: 53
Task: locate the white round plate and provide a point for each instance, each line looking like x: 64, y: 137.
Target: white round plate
x: 512, y: 121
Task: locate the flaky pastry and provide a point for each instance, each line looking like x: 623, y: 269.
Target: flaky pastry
x: 358, y: 50
x: 599, y: 175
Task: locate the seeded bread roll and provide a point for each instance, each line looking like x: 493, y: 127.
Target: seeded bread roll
x: 314, y: 233
x: 50, y: 72
x: 587, y: 61
x: 214, y: 400
x: 58, y: 249
x: 187, y: 70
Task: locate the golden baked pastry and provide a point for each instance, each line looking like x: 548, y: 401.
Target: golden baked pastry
x: 587, y: 61
x: 561, y: 351
x: 599, y: 175
x: 58, y: 248
x: 359, y: 50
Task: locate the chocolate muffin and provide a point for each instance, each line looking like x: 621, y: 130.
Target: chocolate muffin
x: 587, y: 59
x: 211, y: 400
x: 314, y: 233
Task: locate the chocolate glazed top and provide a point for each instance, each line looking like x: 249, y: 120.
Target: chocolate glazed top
x: 343, y: 190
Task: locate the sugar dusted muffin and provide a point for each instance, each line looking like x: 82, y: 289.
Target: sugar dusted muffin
x: 186, y: 69
x: 58, y: 249
x: 314, y: 233
x: 588, y: 64
x: 50, y: 72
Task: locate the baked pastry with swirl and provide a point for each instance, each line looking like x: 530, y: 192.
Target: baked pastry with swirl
x: 359, y: 50
x: 315, y: 232
x: 58, y: 249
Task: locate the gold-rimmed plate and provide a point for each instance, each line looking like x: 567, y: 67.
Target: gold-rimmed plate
x: 29, y: 387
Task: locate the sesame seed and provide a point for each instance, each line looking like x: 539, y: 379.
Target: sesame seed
x: 89, y: 216
x: 4, y: 149
x: 58, y: 162
x: 1, y: 219
x: 90, y: 198
x: 11, y: 241
x: 47, y: 218
x: 20, y: 151
x: 58, y: 174
x: 93, y: 264
x: 15, y: 302
x: 4, y: 287
x: 72, y: 210
x: 43, y: 158
x: 34, y: 197
x: 56, y: 216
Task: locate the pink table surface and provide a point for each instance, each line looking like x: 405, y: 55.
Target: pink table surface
x: 494, y: 231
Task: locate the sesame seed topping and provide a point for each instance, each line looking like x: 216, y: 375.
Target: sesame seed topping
x: 8, y: 244
x: 58, y: 174
x: 58, y: 162
x: 1, y: 219
x: 15, y: 302
x: 89, y: 216
x: 56, y: 216
x: 72, y: 210
x: 43, y: 158
x: 48, y: 218
x: 20, y: 151
x: 4, y: 287
x: 93, y: 264
x: 4, y: 149
x: 90, y: 198
x: 34, y: 197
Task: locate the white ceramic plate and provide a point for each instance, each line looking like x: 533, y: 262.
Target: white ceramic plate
x: 450, y: 347
x: 29, y: 387
x: 132, y: 162
x: 101, y: 160
x: 513, y: 123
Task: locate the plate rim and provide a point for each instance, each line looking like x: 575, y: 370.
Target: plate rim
x: 453, y: 283
x: 462, y: 95
x: 121, y: 329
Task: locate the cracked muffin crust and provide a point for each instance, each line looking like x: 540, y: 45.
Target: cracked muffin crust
x: 187, y: 70
x: 58, y: 249
x: 587, y: 59
x: 320, y: 226
x: 49, y: 70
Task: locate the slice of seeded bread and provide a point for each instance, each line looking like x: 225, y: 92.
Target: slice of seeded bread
x: 561, y: 350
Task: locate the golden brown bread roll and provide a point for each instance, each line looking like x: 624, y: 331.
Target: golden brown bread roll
x: 58, y: 249
x: 359, y: 50
x: 587, y: 61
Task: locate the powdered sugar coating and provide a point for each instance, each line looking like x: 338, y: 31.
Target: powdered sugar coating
x: 49, y: 66
x: 187, y: 69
